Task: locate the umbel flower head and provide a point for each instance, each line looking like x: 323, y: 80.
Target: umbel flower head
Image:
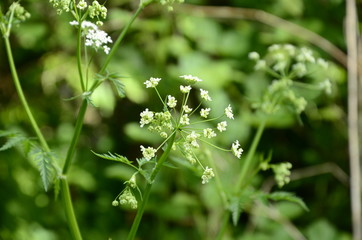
x: 94, y: 37
x: 293, y: 68
x: 187, y: 123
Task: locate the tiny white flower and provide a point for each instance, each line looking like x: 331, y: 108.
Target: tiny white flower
x: 326, y: 86
x: 274, y: 47
x: 192, y: 139
x: 82, y: 5
x: 207, y: 175
x: 163, y: 135
x: 260, y: 65
x: 280, y: 66
x: 204, y: 112
x: 146, y: 117
x: 300, y: 69
x: 185, y: 120
x: 221, y: 126
x: 106, y: 49
x: 305, y: 55
x: 254, y: 56
x: 190, y: 158
x: 209, y: 133
x: 236, y: 150
x: 229, y: 112
x: 290, y: 49
x: 191, y: 79
x: 74, y: 23
x: 323, y: 63
x: 185, y: 89
x: 148, y: 152
x: 205, y: 95
x: 187, y: 109
x: 171, y: 101
x: 152, y: 82
x: 94, y: 37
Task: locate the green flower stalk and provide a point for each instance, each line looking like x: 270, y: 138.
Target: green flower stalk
x: 182, y: 127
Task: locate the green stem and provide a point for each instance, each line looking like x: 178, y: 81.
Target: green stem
x: 217, y: 178
x: 249, y: 157
x: 79, y: 55
x: 69, y: 211
x: 243, y: 173
x: 120, y: 38
x: 73, y: 144
x: 146, y: 194
x: 224, y: 224
x: 22, y: 96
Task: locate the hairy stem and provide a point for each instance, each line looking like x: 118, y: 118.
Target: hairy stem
x: 20, y: 92
x: 146, y: 193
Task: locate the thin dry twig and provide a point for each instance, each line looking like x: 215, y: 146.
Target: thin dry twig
x: 325, y: 168
x: 352, y: 69
x: 268, y: 19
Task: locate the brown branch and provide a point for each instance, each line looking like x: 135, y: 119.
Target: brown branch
x: 352, y: 69
x: 325, y: 168
x: 268, y: 19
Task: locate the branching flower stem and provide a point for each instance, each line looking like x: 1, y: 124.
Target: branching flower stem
x: 64, y: 186
x: 239, y: 184
x: 20, y: 92
x: 67, y: 201
x: 147, y: 191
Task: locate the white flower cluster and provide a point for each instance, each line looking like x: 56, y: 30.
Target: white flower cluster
x: 286, y: 63
x: 176, y: 119
x: 207, y: 175
x: 94, y: 37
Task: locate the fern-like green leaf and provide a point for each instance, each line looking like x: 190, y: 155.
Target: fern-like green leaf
x: 113, y: 157
x: 44, y: 163
x: 119, y: 87
x: 235, y: 209
x: 13, y: 139
x: 285, y: 196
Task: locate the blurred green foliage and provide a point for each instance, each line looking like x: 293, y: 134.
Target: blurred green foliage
x: 168, y: 44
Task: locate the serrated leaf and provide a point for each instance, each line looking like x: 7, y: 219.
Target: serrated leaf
x: 142, y: 161
x: 119, y: 87
x: 44, y: 163
x: 6, y: 133
x: 13, y: 141
x: 145, y: 174
x: 285, y: 196
x: 113, y: 157
x: 235, y: 210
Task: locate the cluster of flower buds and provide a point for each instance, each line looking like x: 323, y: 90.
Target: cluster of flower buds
x: 178, y: 117
x: 287, y: 63
x: 126, y: 197
x: 169, y: 3
x: 281, y: 171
